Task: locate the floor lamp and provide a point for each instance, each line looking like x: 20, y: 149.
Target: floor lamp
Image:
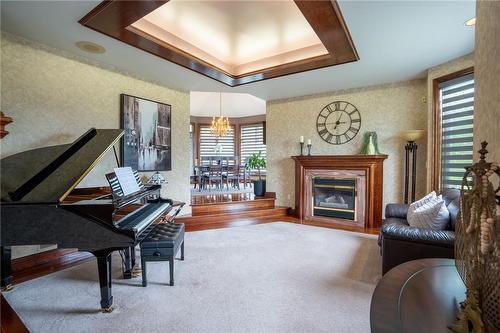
x: 411, y: 136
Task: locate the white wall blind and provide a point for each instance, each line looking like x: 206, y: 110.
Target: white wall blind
x: 252, y: 141
x: 209, y: 142
x: 457, y: 112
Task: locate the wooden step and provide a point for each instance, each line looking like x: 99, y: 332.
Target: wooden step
x: 230, y: 203
x: 190, y: 220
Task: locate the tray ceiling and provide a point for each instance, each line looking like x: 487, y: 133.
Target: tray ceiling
x: 234, y: 42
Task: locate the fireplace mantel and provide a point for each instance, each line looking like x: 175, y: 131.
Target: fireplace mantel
x: 370, y: 165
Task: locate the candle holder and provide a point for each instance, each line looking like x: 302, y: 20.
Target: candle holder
x: 301, y: 148
x: 309, y: 145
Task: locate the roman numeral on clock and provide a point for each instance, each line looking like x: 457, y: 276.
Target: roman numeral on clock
x: 323, y: 132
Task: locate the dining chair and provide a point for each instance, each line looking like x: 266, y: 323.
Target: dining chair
x: 244, y: 175
x: 214, y: 176
x: 232, y: 175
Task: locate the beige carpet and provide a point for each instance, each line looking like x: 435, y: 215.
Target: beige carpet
x: 277, y: 277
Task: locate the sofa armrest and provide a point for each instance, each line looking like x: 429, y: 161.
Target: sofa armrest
x: 403, y: 232
x: 396, y: 210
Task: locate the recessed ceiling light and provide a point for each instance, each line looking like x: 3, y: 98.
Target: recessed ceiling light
x: 90, y: 47
x: 471, y: 22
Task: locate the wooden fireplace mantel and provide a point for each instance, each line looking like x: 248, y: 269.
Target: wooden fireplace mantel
x: 371, y: 165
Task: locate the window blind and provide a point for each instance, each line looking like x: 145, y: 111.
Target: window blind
x: 210, y: 144
x: 457, y: 112
x: 252, y: 141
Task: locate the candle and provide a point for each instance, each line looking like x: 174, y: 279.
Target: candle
x: 301, y: 139
x: 308, y: 141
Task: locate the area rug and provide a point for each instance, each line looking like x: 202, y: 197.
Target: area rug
x: 277, y: 277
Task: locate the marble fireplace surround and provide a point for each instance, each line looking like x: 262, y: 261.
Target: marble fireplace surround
x: 367, y: 169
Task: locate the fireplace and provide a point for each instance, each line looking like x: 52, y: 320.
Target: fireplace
x: 339, y: 190
x: 334, y: 197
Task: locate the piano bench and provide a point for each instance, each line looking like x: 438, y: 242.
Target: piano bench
x: 162, y: 244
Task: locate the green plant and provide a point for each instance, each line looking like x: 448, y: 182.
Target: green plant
x: 256, y: 162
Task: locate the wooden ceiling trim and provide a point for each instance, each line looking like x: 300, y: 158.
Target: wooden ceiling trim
x: 112, y: 17
x: 327, y: 21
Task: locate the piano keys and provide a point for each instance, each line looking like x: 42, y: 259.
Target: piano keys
x: 40, y: 204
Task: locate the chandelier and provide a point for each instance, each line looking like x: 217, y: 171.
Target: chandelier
x: 220, y: 125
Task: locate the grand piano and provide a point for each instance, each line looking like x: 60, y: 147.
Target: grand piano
x: 40, y: 204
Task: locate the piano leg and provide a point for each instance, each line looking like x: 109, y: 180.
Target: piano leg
x: 132, y: 256
x: 128, y: 267
x: 128, y: 264
x: 104, y: 269
x: 5, y: 252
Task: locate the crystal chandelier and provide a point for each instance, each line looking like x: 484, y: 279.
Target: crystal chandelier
x: 220, y: 125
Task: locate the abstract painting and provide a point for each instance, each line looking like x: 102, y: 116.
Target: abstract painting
x: 146, y: 145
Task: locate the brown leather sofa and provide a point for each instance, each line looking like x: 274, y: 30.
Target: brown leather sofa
x: 399, y: 242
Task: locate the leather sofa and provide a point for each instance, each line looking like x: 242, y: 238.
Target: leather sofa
x: 399, y: 242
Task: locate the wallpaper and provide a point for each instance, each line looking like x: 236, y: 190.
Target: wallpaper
x: 53, y: 99
x: 487, y: 70
x: 386, y: 109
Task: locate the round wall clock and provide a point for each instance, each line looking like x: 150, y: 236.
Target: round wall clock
x: 338, y: 122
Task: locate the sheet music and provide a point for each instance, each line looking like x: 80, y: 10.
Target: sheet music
x: 127, y: 180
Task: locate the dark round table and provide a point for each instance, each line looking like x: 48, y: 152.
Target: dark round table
x: 417, y: 296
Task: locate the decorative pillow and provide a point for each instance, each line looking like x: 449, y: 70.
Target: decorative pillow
x: 428, y: 197
x: 431, y: 213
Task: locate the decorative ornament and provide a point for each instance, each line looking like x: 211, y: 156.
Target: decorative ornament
x: 4, y: 120
x: 477, y: 248
x: 370, y: 144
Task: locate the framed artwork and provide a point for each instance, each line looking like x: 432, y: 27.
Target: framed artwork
x: 146, y: 145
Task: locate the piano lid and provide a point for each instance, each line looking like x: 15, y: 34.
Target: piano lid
x: 48, y: 175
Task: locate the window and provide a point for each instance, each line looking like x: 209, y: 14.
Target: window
x: 210, y: 145
x: 456, y: 103
x: 251, y: 141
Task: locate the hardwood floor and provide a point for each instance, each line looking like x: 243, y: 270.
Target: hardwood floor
x: 11, y: 323
x: 40, y: 264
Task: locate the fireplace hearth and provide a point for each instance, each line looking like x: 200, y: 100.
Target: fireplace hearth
x: 343, y: 190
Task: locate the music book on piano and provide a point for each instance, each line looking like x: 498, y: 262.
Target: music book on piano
x: 127, y: 180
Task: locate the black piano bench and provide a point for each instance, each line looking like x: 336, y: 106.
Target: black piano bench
x: 162, y: 244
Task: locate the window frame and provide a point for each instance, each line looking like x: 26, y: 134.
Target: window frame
x: 437, y: 134
x: 263, y: 123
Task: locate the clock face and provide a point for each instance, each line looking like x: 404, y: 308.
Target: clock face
x: 338, y: 122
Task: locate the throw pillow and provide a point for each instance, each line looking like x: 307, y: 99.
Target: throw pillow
x: 428, y: 197
x: 431, y: 214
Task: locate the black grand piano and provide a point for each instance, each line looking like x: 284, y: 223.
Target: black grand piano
x: 40, y: 204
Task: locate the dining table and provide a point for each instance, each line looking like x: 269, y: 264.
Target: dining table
x: 199, y: 170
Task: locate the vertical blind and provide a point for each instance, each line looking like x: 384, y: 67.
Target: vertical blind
x: 252, y: 141
x: 457, y: 112
x: 210, y: 145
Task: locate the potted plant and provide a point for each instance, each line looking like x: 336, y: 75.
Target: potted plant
x: 257, y: 162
